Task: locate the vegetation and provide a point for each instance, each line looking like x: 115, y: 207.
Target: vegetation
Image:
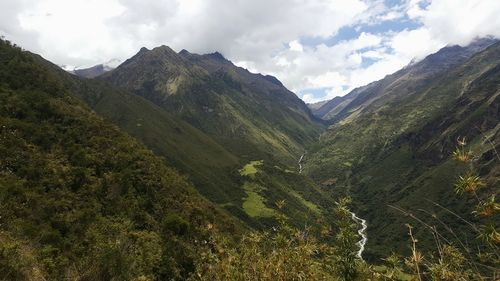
x: 250, y: 169
x: 81, y: 200
x: 254, y: 204
x: 265, y: 185
x: 250, y: 115
x: 394, y: 144
x: 455, y: 260
x: 286, y: 253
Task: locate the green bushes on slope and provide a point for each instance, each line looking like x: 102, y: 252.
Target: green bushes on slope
x: 79, y: 199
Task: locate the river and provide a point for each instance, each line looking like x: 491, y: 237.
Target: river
x: 362, y: 232
x: 300, y: 163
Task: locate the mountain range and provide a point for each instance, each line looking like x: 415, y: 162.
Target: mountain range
x: 162, y: 149
x: 391, y: 142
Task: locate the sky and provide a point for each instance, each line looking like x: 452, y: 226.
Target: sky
x: 318, y: 48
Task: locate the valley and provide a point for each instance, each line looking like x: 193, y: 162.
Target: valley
x: 393, y: 143
x: 174, y: 147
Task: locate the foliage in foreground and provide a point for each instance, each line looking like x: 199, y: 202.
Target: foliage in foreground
x: 455, y: 260
x: 286, y: 253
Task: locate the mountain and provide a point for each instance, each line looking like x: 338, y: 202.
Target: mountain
x: 328, y: 109
x: 316, y: 105
x: 392, y: 143
x: 418, y: 73
x: 251, y: 115
x: 247, y: 117
x: 96, y: 70
x: 80, y: 198
x: 209, y: 165
x: 92, y: 72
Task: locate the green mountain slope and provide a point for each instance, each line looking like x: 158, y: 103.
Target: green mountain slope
x: 213, y: 170
x: 80, y: 199
x: 255, y: 119
x: 251, y: 115
x: 208, y: 164
x: 392, y: 144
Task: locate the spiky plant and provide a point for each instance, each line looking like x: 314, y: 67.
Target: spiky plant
x: 489, y: 234
x: 470, y: 183
x: 461, y: 154
x: 487, y: 207
x: 450, y: 265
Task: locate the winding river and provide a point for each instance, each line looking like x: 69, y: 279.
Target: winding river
x: 362, y: 232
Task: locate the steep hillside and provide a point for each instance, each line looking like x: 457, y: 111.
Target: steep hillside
x: 210, y: 166
x: 392, y: 144
x: 251, y: 115
x: 404, y: 82
x: 213, y: 170
x: 79, y: 198
x: 207, y: 164
x: 384, y: 110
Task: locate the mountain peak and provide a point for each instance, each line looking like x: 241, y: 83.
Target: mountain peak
x: 217, y: 56
x: 184, y: 52
x: 143, y: 50
x: 163, y: 49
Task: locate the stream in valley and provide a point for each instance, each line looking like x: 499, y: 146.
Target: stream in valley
x: 362, y: 232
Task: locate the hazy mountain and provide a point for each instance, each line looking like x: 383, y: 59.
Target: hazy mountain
x: 94, y: 71
x: 316, y: 105
x: 328, y: 109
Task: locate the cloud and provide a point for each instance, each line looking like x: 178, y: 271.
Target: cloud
x: 296, y: 46
x: 458, y: 21
x: 83, y: 32
x: 10, y: 26
x: 73, y: 32
x: 303, y: 43
x: 310, y: 98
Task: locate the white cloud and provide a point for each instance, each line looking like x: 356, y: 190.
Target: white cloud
x: 10, y: 26
x: 295, y: 46
x: 416, y: 43
x: 83, y: 32
x: 459, y: 21
x: 310, y: 98
x: 329, y: 79
x: 261, y: 35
